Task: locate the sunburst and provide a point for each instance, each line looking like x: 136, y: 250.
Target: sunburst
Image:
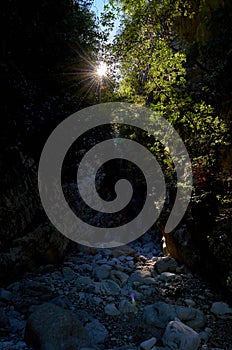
x: 92, y: 78
x: 102, y: 69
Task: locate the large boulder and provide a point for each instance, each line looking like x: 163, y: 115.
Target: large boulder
x: 178, y: 336
x: 160, y: 313
x: 166, y: 264
x: 50, y: 327
x: 43, y: 245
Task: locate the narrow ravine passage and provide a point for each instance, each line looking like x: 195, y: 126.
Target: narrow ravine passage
x: 174, y: 60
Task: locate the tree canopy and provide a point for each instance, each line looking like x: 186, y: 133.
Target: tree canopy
x: 175, y: 58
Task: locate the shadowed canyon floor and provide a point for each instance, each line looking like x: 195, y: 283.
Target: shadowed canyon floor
x: 124, y: 298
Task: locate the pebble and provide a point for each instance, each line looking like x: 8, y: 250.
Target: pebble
x: 111, y: 310
x: 167, y: 276
x: 221, y: 309
x: 148, y: 344
x: 139, y: 277
x: 97, y: 332
x: 5, y: 295
x: 85, y: 268
x: 68, y: 273
x: 101, y: 272
x: 206, y: 334
x: 190, y: 302
x: 119, y: 277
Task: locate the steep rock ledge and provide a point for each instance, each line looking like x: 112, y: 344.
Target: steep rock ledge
x: 26, y: 238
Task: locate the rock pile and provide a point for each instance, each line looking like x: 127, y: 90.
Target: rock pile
x: 126, y: 298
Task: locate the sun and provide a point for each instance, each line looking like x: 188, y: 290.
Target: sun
x: 102, y: 69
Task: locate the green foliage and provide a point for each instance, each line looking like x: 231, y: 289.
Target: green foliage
x: 162, y: 70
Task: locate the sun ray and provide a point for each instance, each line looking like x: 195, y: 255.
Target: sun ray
x: 102, y: 69
x: 90, y: 77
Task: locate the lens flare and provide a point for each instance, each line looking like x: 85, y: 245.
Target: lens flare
x: 102, y: 69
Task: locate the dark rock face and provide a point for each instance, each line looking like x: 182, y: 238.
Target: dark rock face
x: 27, y: 239
x: 53, y: 328
x: 19, y: 201
x: 203, y: 243
x: 181, y: 247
